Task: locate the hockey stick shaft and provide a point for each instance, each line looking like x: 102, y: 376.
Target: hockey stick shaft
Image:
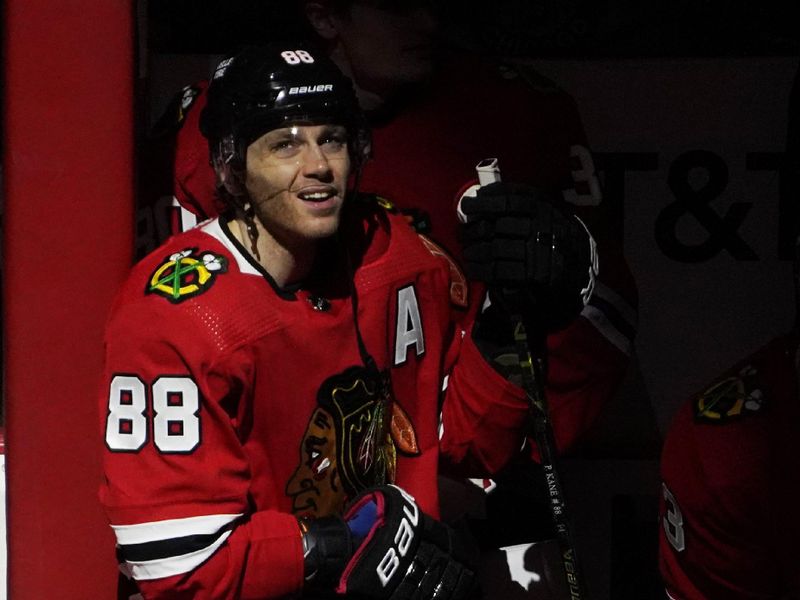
x: 533, y: 376
x: 532, y: 370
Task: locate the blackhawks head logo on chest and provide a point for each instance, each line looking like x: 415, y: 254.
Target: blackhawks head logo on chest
x: 186, y: 274
x: 351, y: 442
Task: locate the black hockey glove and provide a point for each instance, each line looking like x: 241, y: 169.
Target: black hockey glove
x: 538, y: 261
x: 395, y: 552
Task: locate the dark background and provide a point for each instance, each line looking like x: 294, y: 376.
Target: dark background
x: 518, y: 28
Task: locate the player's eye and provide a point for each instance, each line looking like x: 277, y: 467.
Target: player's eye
x: 334, y: 140
x: 285, y: 147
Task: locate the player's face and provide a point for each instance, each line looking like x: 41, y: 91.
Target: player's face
x: 297, y: 178
x: 388, y: 42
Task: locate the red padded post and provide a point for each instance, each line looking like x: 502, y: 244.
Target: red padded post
x: 67, y: 237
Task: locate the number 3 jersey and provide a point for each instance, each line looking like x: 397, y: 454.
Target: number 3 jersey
x: 731, y: 478
x: 231, y: 407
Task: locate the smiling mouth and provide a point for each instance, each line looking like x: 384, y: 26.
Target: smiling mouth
x: 317, y: 196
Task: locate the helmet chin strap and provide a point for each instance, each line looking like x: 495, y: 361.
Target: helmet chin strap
x: 246, y: 211
x: 230, y: 182
x: 248, y: 216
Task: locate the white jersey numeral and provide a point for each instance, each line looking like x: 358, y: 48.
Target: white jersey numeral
x: 586, y: 191
x: 295, y: 57
x: 176, y: 424
x: 126, y: 425
x: 673, y: 521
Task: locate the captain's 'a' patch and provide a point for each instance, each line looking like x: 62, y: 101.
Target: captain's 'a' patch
x: 186, y: 274
x: 731, y: 398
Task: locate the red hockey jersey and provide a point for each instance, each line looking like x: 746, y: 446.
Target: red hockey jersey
x: 731, y: 476
x: 424, y: 155
x: 230, y: 407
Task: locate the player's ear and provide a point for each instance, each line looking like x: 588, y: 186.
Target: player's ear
x: 321, y: 19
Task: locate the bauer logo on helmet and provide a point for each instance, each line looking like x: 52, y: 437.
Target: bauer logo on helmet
x: 311, y: 89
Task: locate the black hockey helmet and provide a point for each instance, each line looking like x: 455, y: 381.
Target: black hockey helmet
x: 261, y: 88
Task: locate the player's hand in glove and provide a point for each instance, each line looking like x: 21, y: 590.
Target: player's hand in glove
x: 538, y: 260
x: 385, y: 547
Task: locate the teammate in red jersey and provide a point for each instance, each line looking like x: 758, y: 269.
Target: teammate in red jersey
x: 730, y: 478
x: 282, y: 381
x: 730, y: 463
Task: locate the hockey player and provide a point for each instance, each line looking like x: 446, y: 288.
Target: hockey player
x: 435, y: 113
x: 273, y: 407
x: 730, y: 472
x: 730, y: 477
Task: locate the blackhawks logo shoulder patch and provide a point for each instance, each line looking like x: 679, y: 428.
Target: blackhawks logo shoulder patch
x: 731, y: 398
x: 186, y: 274
x: 174, y: 116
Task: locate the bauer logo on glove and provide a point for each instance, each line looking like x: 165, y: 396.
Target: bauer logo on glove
x: 386, y: 548
x: 398, y: 543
